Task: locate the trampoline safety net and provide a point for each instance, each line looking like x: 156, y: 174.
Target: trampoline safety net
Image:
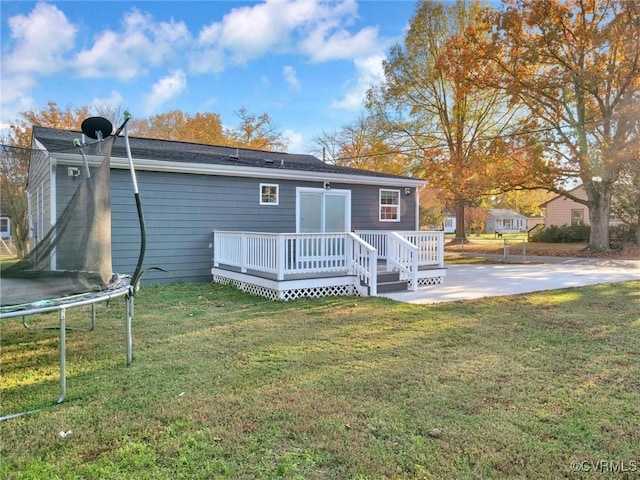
x: 74, y: 257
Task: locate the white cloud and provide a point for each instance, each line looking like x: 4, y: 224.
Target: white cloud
x: 114, y: 100
x: 323, y: 45
x: 312, y: 27
x: 290, y: 76
x: 207, y: 60
x: 165, y: 89
x: 40, y: 41
x: 142, y: 43
x: 250, y: 32
x: 296, y: 141
x: 15, y: 97
x: 369, y: 72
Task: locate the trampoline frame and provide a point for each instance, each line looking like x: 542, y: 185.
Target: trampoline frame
x: 61, y: 305
x: 127, y: 287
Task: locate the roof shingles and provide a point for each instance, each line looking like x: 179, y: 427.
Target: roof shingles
x: 56, y: 140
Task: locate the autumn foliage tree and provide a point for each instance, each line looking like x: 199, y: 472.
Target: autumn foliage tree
x: 467, y: 140
x: 575, y: 65
x: 14, y: 165
x: 258, y: 132
x: 177, y: 125
x: 361, y: 144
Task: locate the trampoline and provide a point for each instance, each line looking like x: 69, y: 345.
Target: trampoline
x: 70, y: 266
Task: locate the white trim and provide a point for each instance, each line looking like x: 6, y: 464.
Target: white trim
x: 240, y: 171
x: 277, y: 202
x: 53, y: 197
x: 325, y: 192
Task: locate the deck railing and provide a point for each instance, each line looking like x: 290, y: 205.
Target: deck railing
x: 430, y: 244
x: 286, y: 254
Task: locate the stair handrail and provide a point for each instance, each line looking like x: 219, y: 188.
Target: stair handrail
x: 363, y: 262
x: 402, y: 255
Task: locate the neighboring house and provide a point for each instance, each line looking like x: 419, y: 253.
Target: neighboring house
x: 533, y: 222
x: 188, y: 191
x: 561, y: 210
x: 449, y: 222
x: 501, y: 220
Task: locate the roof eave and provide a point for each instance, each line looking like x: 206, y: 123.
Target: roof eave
x: 243, y: 171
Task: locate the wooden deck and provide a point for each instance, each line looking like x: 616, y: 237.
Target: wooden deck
x: 317, y: 285
x: 291, y: 266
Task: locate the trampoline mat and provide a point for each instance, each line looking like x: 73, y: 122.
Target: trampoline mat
x: 30, y: 292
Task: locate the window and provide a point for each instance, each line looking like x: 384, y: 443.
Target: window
x: 268, y: 194
x: 4, y: 227
x: 389, y: 205
x: 577, y: 216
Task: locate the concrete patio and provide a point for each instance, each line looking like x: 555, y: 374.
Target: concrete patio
x: 468, y: 282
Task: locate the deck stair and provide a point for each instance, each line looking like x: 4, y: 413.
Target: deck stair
x: 390, y: 282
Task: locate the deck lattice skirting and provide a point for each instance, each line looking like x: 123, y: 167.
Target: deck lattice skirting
x: 287, y: 293
x: 291, y: 266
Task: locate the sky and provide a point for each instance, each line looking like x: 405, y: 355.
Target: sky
x: 307, y: 63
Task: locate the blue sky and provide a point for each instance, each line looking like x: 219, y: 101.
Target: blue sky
x: 307, y: 63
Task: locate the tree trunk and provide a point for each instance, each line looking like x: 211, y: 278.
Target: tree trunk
x: 461, y: 235
x: 599, y: 196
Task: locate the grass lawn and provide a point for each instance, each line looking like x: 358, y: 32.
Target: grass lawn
x: 225, y: 385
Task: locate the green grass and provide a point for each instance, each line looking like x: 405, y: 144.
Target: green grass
x: 225, y: 385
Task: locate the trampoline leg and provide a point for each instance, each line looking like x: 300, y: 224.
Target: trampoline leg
x: 93, y: 317
x: 129, y: 309
x: 63, y: 356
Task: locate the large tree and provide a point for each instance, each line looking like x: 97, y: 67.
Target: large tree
x: 178, y: 125
x: 259, y: 132
x: 362, y: 144
x: 462, y: 134
x: 575, y: 64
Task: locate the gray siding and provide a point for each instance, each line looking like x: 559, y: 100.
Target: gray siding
x: 182, y: 210
x: 365, y: 208
x: 40, y: 179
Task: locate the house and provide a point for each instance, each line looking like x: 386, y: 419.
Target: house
x: 561, y: 210
x: 501, y: 220
x: 231, y: 207
x: 449, y: 222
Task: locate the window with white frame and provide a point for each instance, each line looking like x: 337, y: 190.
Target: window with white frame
x: 269, y: 194
x: 577, y: 216
x: 389, y: 205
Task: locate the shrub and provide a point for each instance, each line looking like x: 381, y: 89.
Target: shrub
x: 563, y: 234
x: 623, y: 233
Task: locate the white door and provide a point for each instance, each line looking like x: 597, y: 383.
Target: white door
x: 322, y: 211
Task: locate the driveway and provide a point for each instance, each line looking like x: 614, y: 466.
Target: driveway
x: 468, y: 282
